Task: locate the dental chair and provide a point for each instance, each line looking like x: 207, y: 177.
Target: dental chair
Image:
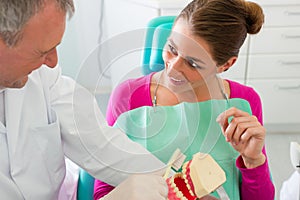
x: 157, y: 32
x: 85, y: 187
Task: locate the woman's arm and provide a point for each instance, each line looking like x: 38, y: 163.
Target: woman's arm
x: 256, y: 182
x: 247, y: 136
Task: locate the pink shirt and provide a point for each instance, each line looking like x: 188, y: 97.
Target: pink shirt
x: 134, y: 93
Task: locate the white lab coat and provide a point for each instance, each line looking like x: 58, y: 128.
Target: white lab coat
x: 51, y: 117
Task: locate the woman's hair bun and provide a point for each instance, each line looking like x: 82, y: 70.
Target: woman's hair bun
x: 254, y: 17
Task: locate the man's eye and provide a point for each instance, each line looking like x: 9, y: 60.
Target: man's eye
x: 173, y: 50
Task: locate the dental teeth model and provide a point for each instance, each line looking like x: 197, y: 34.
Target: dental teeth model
x: 199, y: 177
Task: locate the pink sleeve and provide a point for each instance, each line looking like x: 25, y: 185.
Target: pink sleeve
x: 119, y: 102
x: 256, y: 182
x: 256, y: 105
x: 101, y: 189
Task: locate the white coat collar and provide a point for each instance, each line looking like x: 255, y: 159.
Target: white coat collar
x: 2, y: 89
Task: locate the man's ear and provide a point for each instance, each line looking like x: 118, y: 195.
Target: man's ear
x: 227, y: 65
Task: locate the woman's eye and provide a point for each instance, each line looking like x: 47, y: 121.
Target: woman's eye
x: 173, y: 50
x: 193, y: 64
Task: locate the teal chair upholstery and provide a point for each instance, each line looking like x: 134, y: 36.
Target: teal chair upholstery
x: 158, y: 30
x: 85, y: 187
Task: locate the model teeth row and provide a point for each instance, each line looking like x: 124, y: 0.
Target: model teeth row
x: 179, y: 194
x: 184, y: 171
x: 175, y: 188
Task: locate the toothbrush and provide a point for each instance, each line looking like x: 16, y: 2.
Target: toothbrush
x: 175, y: 161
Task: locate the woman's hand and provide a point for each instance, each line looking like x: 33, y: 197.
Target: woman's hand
x: 246, y: 135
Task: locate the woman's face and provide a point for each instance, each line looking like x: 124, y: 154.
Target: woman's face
x: 187, y: 58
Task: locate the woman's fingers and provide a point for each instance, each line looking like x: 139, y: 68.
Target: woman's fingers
x: 245, y: 134
x: 232, y: 112
x: 225, y: 118
x: 238, y: 127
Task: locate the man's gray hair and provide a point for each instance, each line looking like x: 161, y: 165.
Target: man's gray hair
x: 14, y: 14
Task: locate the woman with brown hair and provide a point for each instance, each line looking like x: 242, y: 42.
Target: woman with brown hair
x: 218, y: 28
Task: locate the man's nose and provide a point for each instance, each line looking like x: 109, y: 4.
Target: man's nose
x: 51, y: 59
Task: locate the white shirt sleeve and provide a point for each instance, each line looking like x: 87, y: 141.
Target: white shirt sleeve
x: 104, y: 152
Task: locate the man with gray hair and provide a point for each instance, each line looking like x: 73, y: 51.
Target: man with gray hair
x: 46, y: 117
